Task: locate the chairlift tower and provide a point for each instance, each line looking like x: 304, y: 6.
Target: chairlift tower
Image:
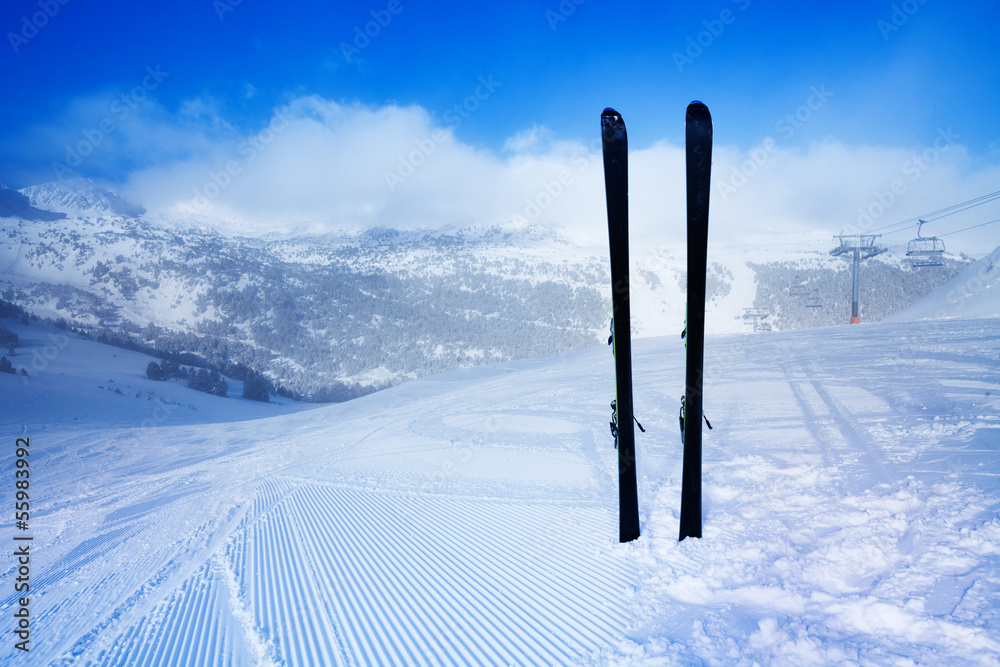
x: 860, y: 246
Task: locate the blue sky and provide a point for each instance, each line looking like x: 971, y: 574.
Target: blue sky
x: 181, y: 86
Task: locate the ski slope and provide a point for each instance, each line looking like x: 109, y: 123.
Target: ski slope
x: 852, y: 492
x: 973, y: 293
x: 76, y: 382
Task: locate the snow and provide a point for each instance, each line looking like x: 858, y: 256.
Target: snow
x: 974, y: 292
x: 80, y: 197
x: 850, y: 511
x: 75, y: 381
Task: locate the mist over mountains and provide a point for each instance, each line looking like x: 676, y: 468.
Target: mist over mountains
x: 333, y: 316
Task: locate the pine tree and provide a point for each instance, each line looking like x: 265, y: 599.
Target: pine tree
x: 8, y: 339
x: 219, y: 385
x: 154, y: 371
x: 256, y: 388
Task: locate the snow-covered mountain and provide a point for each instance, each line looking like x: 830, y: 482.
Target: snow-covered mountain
x: 14, y: 204
x: 850, y: 496
x: 80, y: 197
x: 329, y: 315
x: 374, y: 307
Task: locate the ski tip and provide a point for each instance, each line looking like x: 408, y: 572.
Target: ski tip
x: 698, y: 120
x: 612, y: 126
x: 697, y: 108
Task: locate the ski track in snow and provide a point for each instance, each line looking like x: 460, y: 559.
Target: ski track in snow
x: 851, y: 501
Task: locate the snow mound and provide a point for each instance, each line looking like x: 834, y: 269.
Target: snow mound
x: 81, y: 197
x: 973, y: 293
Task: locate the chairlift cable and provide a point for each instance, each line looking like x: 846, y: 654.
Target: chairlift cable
x: 940, y: 213
x: 983, y: 224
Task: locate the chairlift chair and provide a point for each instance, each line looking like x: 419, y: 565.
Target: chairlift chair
x: 799, y: 288
x: 925, y: 251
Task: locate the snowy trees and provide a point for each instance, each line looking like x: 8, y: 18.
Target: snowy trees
x: 210, y: 382
x: 320, y: 316
x: 201, y: 379
x: 255, y: 388
x: 154, y: 371
x: 886, y: 287
x: 8, y: 339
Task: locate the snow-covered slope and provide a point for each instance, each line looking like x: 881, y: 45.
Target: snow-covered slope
x: 851, y: 494
x: 73, y: 382
x: 974, y: 292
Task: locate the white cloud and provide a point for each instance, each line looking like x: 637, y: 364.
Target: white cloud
x: 528, y: 140
x: 205, y: 112
x: 102, y: 134
x: 331, y: 165
x: 837, y: 188
x: 328, y: 165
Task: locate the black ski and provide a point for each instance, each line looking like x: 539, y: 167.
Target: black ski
x: 698, y: 139
x: 615, y: 142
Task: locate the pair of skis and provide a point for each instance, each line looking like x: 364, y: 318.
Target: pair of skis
x: 698, y: 139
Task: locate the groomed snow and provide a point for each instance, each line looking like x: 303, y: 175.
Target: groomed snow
x: 851, y: 502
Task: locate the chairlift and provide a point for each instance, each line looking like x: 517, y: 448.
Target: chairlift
x: 799, y: 289
x: 925, y: 251
x: 755, y: 317
x: 813, y: 300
